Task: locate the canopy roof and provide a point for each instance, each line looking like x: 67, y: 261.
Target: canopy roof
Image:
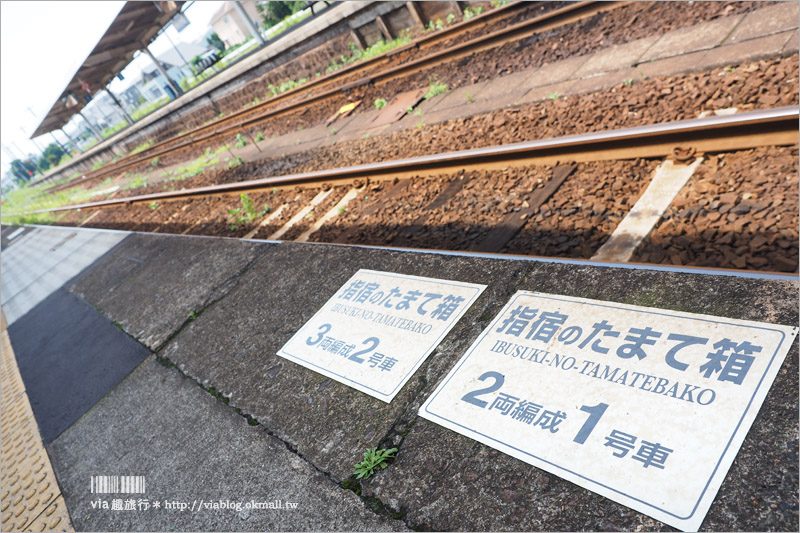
x: 136, y: 23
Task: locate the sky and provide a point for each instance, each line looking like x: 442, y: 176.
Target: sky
x: 42, y: 44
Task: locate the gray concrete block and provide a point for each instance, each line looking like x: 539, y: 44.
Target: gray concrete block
x: 773, y: 19
x: 193, y: 448
x: 557, y: 72
x: 692, y: 38
x: 752, y: 50
x: 150, y: 284
x: 458, y: 97
x: 616, y: 57
x: 446, y: 481
x: 232, y: 347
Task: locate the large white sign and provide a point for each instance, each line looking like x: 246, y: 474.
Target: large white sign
x: 378, y: 329
x: 647, y: 407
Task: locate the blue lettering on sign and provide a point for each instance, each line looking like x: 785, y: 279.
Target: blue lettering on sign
x: 360, y: 292
x: 536, y: 415
x: 730, y: 362
x: 340, y: 347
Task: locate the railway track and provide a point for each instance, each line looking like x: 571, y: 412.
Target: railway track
x: 675, y: 145
x: 776, y: 127
x: 270, y: 109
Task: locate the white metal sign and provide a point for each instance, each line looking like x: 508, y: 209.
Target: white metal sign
x: 378, y: 329
x: 647, y: 407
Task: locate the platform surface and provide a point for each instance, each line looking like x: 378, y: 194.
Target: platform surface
x: 214, y: 414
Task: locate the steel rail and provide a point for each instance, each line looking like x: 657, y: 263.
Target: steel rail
x: 772, y: 127
x: 246, y: 118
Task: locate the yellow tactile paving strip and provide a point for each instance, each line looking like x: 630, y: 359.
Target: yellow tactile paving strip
x: 30, y: 499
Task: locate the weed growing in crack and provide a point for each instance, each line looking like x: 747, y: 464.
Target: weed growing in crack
x: 435, y: 89
x: 374, y: 459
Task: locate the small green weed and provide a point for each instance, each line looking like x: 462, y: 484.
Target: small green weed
x: 288, y: 85
x: 248, y: 207
x: 235, y: 162
x: 469, y: 98
x: 241, y: 142
x: 553, y: 96
x: 357, y: 54
x: 435, y: 26
x: 469, y: 12
x: 259, y: 137
x: 435, y: 89
x: 451, y: 18
x: 379, y: 103
x: 628, y: 82
x: 374, y: 459
x: 154, y: 161
x: 242, y: 215
x: 142, y: 147
x: 153, y: 205
x: 137, y: 182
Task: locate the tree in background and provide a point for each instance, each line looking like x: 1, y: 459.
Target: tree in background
x: 273, y: 13
x: 215, y: 41
x: 23, y: 170
x: 53, y: 153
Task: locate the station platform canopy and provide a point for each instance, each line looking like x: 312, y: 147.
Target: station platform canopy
x: 136, y: 23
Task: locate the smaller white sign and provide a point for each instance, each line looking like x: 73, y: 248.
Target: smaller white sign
x: 647, y: 407
x: 379, y: 328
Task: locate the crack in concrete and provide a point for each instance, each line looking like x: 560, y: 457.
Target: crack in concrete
x: 216, y: 296
x: 370, y: 502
